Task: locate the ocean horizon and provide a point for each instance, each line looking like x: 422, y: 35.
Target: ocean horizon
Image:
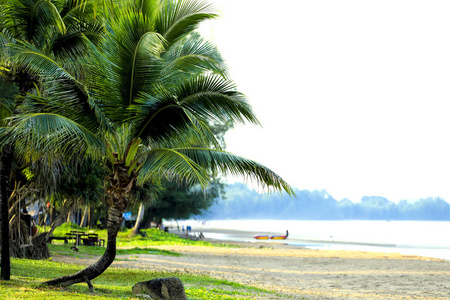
x: 423, y: 238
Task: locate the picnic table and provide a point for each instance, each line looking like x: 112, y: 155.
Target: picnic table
x: 77, y: 235
x: 85, y: 238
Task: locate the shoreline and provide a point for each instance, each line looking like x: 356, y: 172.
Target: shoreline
x: 295, y: 272
x: 244, y: 236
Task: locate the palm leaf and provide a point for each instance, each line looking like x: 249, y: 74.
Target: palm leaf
x: 65, y: 95
x: 30, y: 59
x: 179, y: 18
x: 230, y: 164
x: 192, y: 55
x: 214, y: 98
x: 205, y: 98
x: 130, y: 62
x: 36, y: 21
x: 172, y: 165
x: 149, y: 8
x: 36, y: 134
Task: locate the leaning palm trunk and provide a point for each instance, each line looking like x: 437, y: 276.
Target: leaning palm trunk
x: 120, y: 184
x: 95, y: 270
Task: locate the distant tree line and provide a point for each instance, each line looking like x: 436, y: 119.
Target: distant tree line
x: 244, y: 203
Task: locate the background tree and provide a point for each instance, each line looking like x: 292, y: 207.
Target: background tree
x: 79, y: 184
x: 182, y: 201
x: 142, y: 196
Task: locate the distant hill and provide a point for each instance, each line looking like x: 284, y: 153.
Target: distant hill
x: 243, y: 203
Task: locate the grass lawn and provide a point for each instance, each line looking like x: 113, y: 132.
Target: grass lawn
x: 115, y: 283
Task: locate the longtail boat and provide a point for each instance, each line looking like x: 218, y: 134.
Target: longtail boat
x: 279, y: 237
x: 272, y: 237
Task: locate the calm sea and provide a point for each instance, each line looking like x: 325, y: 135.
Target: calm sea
x: 431, y: 239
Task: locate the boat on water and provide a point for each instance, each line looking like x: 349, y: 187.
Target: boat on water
x: 272, y: 237
x: 279, y: 237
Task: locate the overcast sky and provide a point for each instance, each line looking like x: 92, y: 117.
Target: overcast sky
x: 353, y: 96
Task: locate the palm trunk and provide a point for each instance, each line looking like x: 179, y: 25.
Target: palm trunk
x: 140, y: 217
x: 120, y: 184
x: 5, y: 170
x: 95, y: 270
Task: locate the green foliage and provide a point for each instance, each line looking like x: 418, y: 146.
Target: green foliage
x: 181, y: 201
x: 82, y: 179
x: 147, y: 96
x: 8, y: 91
x: 142, y: 99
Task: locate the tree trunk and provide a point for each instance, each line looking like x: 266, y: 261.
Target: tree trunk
x: 69, y: 217
x: 83, y: 222
x: 91, y: 272
x: 5, y: 170
x: 67, y: 206
x: 120, y: 184
x: 140, y: 217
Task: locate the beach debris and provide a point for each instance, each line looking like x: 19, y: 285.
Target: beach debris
x: 169, y: 288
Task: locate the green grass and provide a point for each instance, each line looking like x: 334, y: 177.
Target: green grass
x: 115, y: 283
x: 91, y: 251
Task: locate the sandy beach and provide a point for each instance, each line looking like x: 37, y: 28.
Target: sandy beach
x: 304, y: 273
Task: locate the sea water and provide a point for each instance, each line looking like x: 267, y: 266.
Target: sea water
x: 425, y: 238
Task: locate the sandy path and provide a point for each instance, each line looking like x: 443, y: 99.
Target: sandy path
x: 313, y: 274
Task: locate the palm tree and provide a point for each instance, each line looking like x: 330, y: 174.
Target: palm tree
x: 144, y: 103
x: 62, y: 30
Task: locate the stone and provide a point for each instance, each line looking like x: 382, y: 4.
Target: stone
x: 170, y: 288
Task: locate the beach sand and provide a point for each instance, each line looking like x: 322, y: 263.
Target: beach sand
x: 306, y: 274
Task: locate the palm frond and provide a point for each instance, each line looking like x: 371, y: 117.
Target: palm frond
x: 173, y: 165
x: 214, y: 98
x: 82, y: 31
x: 179, y: 18
x: 167, y: 124
x: 131, y: 61
x: 193, y: 55
x: 149, y: 8
x: 36, y: 63
x: 36, y: 21
x: 145, y: 54
x: 37, y: 134
x: 204, y: 98
x: 66, y: 100
x: 64, y: 94
x: 230, y: 164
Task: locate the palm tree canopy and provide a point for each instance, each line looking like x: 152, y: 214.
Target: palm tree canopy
x: 145, y: 99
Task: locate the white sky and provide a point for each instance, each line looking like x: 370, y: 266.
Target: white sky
x: 353, y: 96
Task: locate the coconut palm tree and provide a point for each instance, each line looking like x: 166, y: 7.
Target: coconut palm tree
x: 63, y: 30
x: 144, y: 104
